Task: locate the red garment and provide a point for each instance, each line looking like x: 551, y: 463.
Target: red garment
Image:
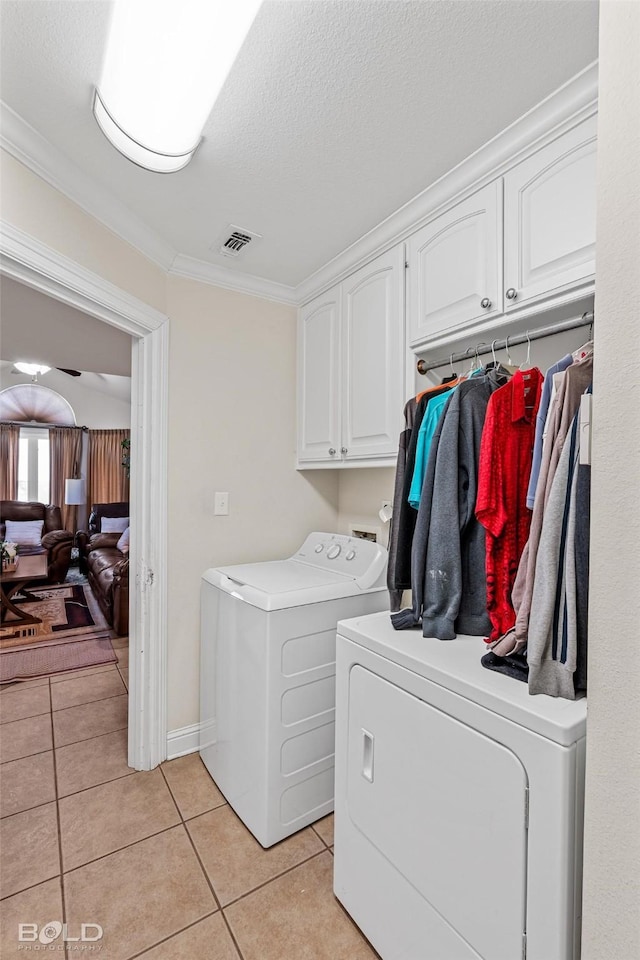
x: 506, y: 453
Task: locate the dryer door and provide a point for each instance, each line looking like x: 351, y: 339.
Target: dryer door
x: 446, y: 806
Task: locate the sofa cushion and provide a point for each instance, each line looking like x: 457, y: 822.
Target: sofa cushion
x: 26, y: 533
x: 102, y: 559
x: 114, y: 524
x: 123, y: 542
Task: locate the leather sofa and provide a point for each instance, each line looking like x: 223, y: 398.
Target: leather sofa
x: 107, y: 570
x: 98, y: 512
x: 106, y: 567
x: 56, y: 542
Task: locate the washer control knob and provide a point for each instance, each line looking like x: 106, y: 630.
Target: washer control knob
x: 333, y: 552
x: 350, y: 555
x: 319, y: 547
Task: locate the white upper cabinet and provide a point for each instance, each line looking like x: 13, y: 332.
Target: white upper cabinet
x: 455, y: 267
x: 550, y: 217
x: 319, y: 378
x: 351, y: 368
x: 373, y: 357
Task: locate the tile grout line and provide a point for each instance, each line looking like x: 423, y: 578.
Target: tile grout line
x: 55, y: 788
x: 266, y: 883
x: 36, y: 806
x: 103, y: 783
x: 32, y: 716
x: 320, y: 837
x: 126, y: 846
x: 153, y: 946
x: 202, y: 867
x: 27, y: 755
x: 84, y: 739
x: 113, y: 696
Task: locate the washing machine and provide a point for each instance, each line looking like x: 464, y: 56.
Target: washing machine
x: 267, y: 676
x: 458, y: 801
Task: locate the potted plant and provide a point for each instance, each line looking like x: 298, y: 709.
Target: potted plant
x: 9, y: 551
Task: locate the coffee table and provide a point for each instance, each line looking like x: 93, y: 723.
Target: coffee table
x: 30, y: 567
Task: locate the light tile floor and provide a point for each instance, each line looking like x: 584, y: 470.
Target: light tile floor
x: 158, y: 859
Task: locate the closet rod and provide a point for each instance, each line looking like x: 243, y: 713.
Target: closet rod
x: 424, y: 366
x: 35, y: 423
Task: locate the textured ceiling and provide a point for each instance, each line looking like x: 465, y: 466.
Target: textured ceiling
x: 334, y: 115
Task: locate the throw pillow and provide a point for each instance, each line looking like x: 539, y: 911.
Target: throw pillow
x: 123, y: 542
x: 114, y: 524
x: 26, y: 533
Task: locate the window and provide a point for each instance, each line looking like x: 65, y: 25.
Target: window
x: 33, y: 465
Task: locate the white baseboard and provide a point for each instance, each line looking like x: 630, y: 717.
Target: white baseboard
x: 182, y: 741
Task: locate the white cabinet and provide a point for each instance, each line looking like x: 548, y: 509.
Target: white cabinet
x: 351, y: 367
x: 542, y: 240
x: 550, y: 217
x: 455, y: 267
x: 319, y: 399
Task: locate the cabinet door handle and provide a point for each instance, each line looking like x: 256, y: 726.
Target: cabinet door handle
x: 485, y: 303
x: 343, y: 451
x: 332, y: 451
x: 511, y: 293
x: 367, y: 755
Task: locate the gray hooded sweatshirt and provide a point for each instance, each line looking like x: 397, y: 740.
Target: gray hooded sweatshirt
x: 448, y: 554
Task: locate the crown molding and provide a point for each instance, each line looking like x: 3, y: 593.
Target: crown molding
x: 37, y: 265
x: 565, y: 107
x: 562, y: 109
x: 28, y: 146
x: 193, y: 269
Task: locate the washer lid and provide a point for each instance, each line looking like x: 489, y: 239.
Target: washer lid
x: 282, y: 576
x: 280, y: 584
x: 455, y: 664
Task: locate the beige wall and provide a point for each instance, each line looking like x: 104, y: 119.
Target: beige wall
x: 231, y: 428
x: 231, y: 415
x: 611, y: 903
x: 31, y: 204
x: 361, y: 492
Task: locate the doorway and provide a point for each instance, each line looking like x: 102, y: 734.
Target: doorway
x: 32, y: 263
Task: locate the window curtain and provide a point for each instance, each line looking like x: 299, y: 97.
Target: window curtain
x: 108, y: 480
x: 65, y: 451
x: 9, y: 445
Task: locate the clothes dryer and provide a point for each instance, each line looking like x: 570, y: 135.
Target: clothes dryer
x: 459, y: 801
x: 267, y: 676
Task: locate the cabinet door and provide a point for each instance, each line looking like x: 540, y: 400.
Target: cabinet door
x: 319, y: 378
x: 455, y: 267
x: 550, y: 217
x: 373, y: 363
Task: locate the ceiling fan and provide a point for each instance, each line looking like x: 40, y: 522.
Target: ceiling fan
x: 36, y: 369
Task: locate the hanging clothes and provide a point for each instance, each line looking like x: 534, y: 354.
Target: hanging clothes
x: 448, y: 554
x: 396, y: 591
x: 541, y: 418
x: 552, y: 637
x: 404, y: 517
x: 583, y: 513
x: 575, y: 380
x: 505, y: 463
x: 425, y: 438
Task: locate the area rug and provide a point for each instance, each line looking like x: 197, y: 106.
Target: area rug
x: 73, y: 633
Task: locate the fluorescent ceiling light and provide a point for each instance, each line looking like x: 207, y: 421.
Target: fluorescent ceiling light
x: 165, y: 64
x: 32, y: 369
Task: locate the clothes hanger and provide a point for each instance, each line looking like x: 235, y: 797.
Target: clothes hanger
x: 452, y: 376
x: 509, y: 366
x: 586, y: 349
x: 526, y: 363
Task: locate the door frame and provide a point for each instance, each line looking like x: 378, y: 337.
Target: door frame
x: 29, y: 261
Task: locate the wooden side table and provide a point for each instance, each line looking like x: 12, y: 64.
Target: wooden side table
x: 31, y: 567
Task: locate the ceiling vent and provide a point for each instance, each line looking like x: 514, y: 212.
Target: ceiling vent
x: 235, y: 240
